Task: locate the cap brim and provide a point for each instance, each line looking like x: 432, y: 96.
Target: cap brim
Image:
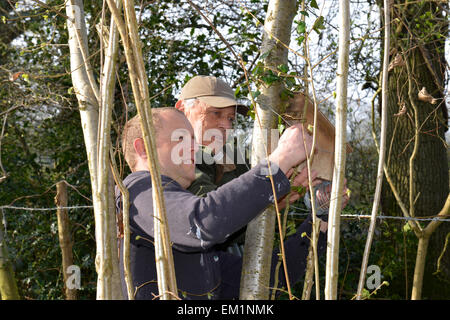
x: 223, y: 102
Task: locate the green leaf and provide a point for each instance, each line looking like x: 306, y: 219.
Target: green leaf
x: 264, y: 55
x: 26, y: 77
x: 285, y: 95
x: 406, y: 227
x: 299, y: 189
x: 314, y: 5
x: 319, y: 24
x: 301, y: 27
x: 255, y: 94
x: 305, y: 13
x: 236, y: 92
x: 283, y: 68
x: 365, y: 294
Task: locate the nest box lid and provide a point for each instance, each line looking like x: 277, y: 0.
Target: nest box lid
x: 323, y: 161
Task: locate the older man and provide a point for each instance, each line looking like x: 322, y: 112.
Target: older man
x: 198, y: 224
x: 209, y: 104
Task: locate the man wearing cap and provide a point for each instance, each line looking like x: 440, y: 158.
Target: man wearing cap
x: 210, y: 106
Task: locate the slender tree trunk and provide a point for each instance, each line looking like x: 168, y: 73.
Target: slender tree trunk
x: 419, y: 268
x: 260, y: 232
x: 382, y: 149
x: 65, y: 241
x: 167, y: 285
x: 87, y: 100
x: 106, y: 215
x: 422, y: 249
x: 332, y: 265
x: 8, y: 285
x: 97, y: 145
x: 126, y: 227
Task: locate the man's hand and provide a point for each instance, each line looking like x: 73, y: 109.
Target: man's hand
x: 291, y: 150
x: 300, y: 180
x: 323, y: 196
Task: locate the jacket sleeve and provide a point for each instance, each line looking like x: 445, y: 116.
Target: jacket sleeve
x: 197, y: 223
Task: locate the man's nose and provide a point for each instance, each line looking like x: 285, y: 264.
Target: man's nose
x: 226, y: 123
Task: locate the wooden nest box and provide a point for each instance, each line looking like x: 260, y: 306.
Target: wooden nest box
x: 323, y: 161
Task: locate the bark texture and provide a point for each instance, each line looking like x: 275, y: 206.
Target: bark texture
x: 422, y: 179
x: 260, y: 232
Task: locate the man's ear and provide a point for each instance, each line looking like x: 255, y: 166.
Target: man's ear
x: 139, y: 148
x: 180, y: 105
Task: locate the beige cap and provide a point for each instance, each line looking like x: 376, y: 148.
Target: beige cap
x: 213, y: 91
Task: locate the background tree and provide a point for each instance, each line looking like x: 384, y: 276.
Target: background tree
x: 417, y: 121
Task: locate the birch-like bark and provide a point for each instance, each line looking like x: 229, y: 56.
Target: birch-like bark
x: 87, y: 92
x: 65, y: 241
x: 88, y: 106
x: 332, y: 264
x: 260, y: 232
x: 382, y: 151
x: 108, y: 285
x: 167, y: 285
x: 87, y: 100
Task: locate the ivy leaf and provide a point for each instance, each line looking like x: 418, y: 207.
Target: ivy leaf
x: 301, y: 27
x: 314, y: 4
x: 319, y: 24
x: 304, y: 13
x: 283, y: 68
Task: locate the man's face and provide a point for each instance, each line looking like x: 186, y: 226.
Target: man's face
x: 176, y: 148
x: 211, y: 124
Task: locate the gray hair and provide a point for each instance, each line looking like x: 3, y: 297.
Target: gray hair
x: 191, y: 102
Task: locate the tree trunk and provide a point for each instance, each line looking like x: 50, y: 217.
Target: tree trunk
x: 334, y: 219
x: 8, y: 285
x: 106, y: 217
x: 260, y: 232
x: 167, y: 285
x: 65, y: 241
x: 421, y: 178
x: 89, y: 99
x: 381, y: 154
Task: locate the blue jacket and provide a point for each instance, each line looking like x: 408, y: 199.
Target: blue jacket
x: 197, y: 225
